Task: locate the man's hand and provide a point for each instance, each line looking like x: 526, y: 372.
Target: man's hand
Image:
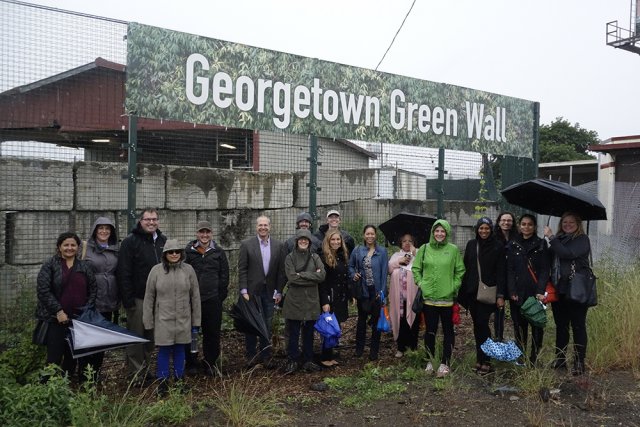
x: 245, y: 296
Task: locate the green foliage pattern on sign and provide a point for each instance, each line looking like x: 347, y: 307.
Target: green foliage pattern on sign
x: 179, y: 76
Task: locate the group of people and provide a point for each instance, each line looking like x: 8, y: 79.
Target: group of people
x: 170, y: 292
x: 512, y: 257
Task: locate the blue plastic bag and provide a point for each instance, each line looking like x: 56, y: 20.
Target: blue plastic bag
x: 384, y: 321
x: 329, y: 329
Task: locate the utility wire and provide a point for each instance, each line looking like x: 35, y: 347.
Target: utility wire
x: 397, y: 32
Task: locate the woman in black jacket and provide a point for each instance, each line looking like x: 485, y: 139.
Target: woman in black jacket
x: 570, y: 248
x: 488, y: 252
x: 505, y: 230
x: 65, y: 285
x: 528, y: 268
x: 334, y: 291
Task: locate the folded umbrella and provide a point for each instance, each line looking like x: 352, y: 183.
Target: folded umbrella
x: 419, y: 226
x: 91, y: 333
x: 247, y: 317
x: 554, y: 198
x: 503, y: 351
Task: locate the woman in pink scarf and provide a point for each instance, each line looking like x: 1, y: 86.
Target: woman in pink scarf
x: 401, y: 294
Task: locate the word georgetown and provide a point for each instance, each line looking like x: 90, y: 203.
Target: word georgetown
x: 324, y: 104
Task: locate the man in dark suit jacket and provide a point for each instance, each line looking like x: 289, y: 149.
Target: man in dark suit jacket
x: 261, y: 276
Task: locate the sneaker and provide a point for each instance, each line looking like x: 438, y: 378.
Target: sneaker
x: 311, y: 367
x: 399, y: 354
x: 291, y: 367
x: 429, y: 368
x: 443, y: 371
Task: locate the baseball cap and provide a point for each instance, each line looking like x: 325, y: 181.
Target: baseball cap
x: 204, y: 225
x: 332, y: 212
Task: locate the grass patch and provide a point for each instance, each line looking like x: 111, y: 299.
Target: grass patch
x: 371, y: 384
x: 613, y: 326
x: 243, y: 403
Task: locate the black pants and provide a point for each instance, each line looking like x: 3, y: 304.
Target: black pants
x: 368, y: 311
x: 408, y: 335
x: 293, y: 349
x: 521, y: 332
x: 480, y: 314
x: 211, y: 325
x: 432, y: 315
x: 327, y: 353
x: 567, y: 313
x: 59, y: 353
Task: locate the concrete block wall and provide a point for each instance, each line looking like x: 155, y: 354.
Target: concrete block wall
x: 101, y: 186
x: 38, y: 185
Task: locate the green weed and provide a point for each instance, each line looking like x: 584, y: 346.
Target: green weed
x: 372, y: 383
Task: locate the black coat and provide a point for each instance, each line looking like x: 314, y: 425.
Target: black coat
x: 336, y: 289
x: 49, y: 287
x: 492, y: 264
x: 521, y: 252
x: 138, y: 254
x: 212, y: 269
x: 567, y: 250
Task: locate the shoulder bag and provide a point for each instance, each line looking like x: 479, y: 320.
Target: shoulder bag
x: 582, y: 287
x: 486, y: 294
x: 550, y: 294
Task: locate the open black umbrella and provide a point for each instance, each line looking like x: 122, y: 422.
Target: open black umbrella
x: 91, y: 333
x: 419, y: 226
x: 554, y: 198
x: 247, y: 317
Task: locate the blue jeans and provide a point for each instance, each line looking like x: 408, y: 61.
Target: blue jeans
x: 266, y: 303
x: 293, y: 351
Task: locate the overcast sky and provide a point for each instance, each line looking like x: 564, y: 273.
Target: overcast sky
x: 550, y: 51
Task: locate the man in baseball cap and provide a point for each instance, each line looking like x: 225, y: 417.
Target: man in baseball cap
x: 209, y: 261
x: 333, y: 223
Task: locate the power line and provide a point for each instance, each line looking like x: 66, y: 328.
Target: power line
x: 397, y: 32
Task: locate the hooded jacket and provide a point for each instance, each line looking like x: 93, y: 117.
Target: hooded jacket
x: 438, y: 269
x: 172, y: 301
x: 138, y: 254
x: 104, y: 262
x: 316, y: 244
x: 492, y: 265
x: 305, y: 271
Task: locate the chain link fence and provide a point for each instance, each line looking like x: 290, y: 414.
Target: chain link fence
x: 65, y: 148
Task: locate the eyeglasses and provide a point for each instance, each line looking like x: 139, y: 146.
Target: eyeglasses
x: 176, y: 252
x: 150, y: 219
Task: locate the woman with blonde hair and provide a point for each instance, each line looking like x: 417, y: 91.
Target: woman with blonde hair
x: 334, y: 291
x: 571, y: 249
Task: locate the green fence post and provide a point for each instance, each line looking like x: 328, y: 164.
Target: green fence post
x: 441, y: 173
x: 313, y: 179
x: 132, y: 171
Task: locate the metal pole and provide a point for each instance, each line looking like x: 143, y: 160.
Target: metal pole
x: 441, y: 173
x: 313, y: 179
x: 132, y: 171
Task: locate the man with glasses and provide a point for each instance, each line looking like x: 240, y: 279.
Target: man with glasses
x: 139, y: 252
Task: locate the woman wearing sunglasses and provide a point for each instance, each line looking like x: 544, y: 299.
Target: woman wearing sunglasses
x: 171, y: 308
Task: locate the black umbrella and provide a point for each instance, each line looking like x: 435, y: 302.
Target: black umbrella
x: 247, y: 317
x: 91, y: 333
x: 554, y: 198
x: 419, y: 226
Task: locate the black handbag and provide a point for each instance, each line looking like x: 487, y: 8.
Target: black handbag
x: 418, y: 302
x: 40, y: 333
x: 582, y: 287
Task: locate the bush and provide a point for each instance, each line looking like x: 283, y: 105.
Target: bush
x: 36, y: 404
